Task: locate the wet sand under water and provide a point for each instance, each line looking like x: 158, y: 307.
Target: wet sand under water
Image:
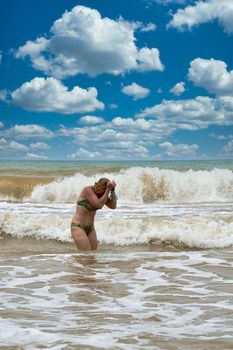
x: 137, y: 297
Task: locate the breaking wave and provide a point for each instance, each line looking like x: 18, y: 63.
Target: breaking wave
x: 146, y: 185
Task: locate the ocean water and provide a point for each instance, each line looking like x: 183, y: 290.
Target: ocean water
x: 162, y: 275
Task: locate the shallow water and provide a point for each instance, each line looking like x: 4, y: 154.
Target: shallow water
x: 162, y: 275
x: 142, y: 297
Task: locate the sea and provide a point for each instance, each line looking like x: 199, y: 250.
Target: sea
x: 161, y: 279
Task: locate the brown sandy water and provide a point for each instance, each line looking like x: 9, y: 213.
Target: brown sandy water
x: 18, y: 187
x: 137, y: 297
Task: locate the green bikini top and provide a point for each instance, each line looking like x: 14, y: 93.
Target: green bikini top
x: 86, y: 204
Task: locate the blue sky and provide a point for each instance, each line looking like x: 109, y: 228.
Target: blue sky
x: 116, y: 80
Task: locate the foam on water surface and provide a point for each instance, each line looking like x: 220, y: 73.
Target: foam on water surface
x: 116, y: 300
x: 198, y: 225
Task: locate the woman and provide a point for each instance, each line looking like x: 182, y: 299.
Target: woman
x: 91, y: 199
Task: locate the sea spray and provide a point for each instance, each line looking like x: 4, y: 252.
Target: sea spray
x: 146, y: 185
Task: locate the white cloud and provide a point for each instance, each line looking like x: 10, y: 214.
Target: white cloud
x: 212, y: 75
x: 81, y: 41
x: 141, y: 124
x: 4, y: 95
x: 218, y: 137
x: 36, y: 156
x: 178, y: 89
x: 221, y: 137
x: 11, y: 147
x: 112, y: 150
x: 84, y: 154
x: 148, y: 60
x: 30, y: 131
x: 113, y: 106
x: 15, y: 146
x: 120, y: 138
x: 1, y: 125
x: 203, y: 12
x: 178, y: 150
x: 167, y: 2
x: 39, y: 145
x: 136, y: 91
x: 91, y: 119
x: 50, y: 95
x: 228, y: 149
x: 131, y: 138
x: 150, y: 27
x: 192, y: 114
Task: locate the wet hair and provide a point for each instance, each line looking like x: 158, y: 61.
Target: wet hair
x: 102, y: 181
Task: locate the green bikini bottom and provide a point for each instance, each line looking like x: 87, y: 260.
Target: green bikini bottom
x: 86, y: 229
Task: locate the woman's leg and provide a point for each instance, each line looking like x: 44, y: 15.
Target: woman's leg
x: 93, y: 239
x: 80, y: 239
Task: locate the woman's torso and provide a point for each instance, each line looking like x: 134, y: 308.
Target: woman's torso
x: 84, y: 213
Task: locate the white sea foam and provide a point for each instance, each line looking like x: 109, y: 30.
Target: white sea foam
x: 192, y: 208
x: 146, y: 185
x: 196, y: 226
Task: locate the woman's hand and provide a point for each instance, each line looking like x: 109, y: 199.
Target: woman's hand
x: 110, y: 185
x: 114, y: 185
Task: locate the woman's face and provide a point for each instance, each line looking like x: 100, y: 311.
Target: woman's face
x: 100, y: 188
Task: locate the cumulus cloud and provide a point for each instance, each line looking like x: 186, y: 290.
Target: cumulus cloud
x: 11, y: 147
x: 50, y: 95
x: 1, y: 125
x: 39, y: 145
x: 228, y: 148
x: 141, y: 124
x: 36, y: 156
x: 203, y: 12
x: 29, y: 131
x: 4, y: 95
x: 148, y: 60
x: 150, y: 27
x: 132, y: 138
x: 136, y: 91
x: 178, y: 150
x: 192, y: 114
x: 112, y: 150
x: 212, y: 75
x: 91, y: 119
x: 120, y: 138
x: 82, y: 42
x: 113, y: 106
x: 84, y: 154
x: 167, y: 2
x: 178, y: 89
x: 221, y: 137
x: 218, y: 137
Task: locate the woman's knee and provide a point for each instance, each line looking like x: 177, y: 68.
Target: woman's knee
x: 84, y: 246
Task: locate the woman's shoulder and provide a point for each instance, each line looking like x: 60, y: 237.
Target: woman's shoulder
x: 87, y: 190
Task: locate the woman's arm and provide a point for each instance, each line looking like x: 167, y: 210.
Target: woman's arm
x: 94, y: 200
x: 112, y: 200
